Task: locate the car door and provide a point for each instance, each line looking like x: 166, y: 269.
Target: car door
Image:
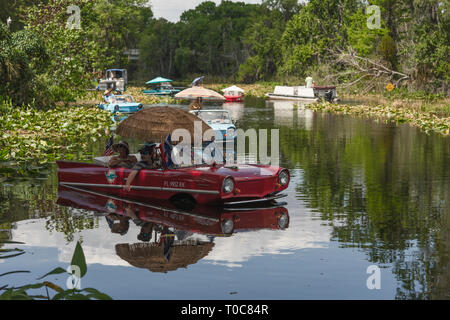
x: 146, y: 184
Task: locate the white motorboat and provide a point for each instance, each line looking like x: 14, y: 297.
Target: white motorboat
x: 304, y: 93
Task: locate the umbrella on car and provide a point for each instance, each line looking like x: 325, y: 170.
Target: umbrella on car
x: 155, y: 123
x: 158, y: 80
x: 197, y: 81
x: 151, y: 255
x: 233, y: 89
x: 195, y: 93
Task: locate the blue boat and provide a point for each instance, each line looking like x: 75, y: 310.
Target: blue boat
x: 121, y: 106
x: 115, y: 79
x: 163, y: 88
x: 220, y: 121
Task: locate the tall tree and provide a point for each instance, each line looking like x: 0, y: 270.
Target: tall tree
x: 23, y: 59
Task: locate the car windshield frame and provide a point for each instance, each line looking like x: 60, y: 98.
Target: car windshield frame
x: 121, y: 99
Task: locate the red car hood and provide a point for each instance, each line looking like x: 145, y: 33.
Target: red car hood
x: 238, y: 171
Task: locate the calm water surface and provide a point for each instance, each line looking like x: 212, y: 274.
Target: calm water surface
x: 362, y: 193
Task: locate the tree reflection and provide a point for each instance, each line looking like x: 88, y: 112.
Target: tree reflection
x: 385, y: 190
x: 31, y: 198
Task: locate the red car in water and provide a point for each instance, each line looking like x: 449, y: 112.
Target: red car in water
x: 215, y: 184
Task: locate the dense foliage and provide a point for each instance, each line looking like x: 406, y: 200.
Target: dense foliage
x: 30, y: 135
x: 23, y: 59
x: 277, y: 40
x: 286, y: 40
x: 74, y: 53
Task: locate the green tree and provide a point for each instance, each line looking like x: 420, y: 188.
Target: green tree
x: 157, y: 48
x: 310, y: 34
x: 263, y: 41
x: 23, y: 59
x: 107, y: 29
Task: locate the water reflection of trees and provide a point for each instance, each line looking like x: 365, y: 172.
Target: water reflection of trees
x: 385, y: 190
x: 31, y: 198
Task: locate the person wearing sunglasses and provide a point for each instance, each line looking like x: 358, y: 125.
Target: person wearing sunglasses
x: 148, y: 161
x: 124, y: 159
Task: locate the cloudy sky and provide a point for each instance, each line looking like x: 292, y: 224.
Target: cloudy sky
x: 172, y: 9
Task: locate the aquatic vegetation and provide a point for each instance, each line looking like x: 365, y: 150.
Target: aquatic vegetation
x: 427, y: 121
x: 78, y: 261
x: 10, y: 253
x: 33, y: 136
x: 95, y: 97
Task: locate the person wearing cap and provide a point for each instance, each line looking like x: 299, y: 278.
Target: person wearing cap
x: 108, y: 94
x: 145, y: 234
x: 148, y: 161
x: 124, y: 159
x: 118, y: 223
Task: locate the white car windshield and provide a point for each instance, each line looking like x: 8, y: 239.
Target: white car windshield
x: 214, y: 116
x: 206, y: 155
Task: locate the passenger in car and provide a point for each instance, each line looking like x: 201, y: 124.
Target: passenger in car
x: 118, y: 223
x: 124, y: 159
x: 108, y: 95
x: 149, y: 160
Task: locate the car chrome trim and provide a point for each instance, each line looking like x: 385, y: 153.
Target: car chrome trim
x: 277, y: 205
x: 256, y: 200
x: 192, y: 214
x: 120, y: 186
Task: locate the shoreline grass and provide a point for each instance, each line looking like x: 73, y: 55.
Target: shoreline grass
x: 96, y: 97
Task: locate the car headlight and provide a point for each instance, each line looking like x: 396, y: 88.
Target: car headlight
x: 230, y: 132
x: 228, y: 185
x: 283, y: 177
x: 227, y: 226
x: 283, y: 221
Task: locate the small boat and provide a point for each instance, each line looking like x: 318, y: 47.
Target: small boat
x: 116, y: 79
x: 121, y: 106
x: 233, y: 94
x: 220, y: 121
x: 163, y: 88
x: 314, y: 93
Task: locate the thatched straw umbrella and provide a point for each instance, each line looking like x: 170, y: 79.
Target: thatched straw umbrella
x: 151, y: 256
x: 155, y: 123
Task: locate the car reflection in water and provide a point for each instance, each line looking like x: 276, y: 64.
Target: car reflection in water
x: 172, y: 234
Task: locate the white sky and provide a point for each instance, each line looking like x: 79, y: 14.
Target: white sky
x: 99, y: 243
x: 172, y: 9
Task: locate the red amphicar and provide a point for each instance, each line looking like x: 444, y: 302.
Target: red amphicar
x: 215, y: 184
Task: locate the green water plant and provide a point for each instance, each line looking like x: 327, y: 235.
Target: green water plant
x: 78, y: 263
x: 34, y: 136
